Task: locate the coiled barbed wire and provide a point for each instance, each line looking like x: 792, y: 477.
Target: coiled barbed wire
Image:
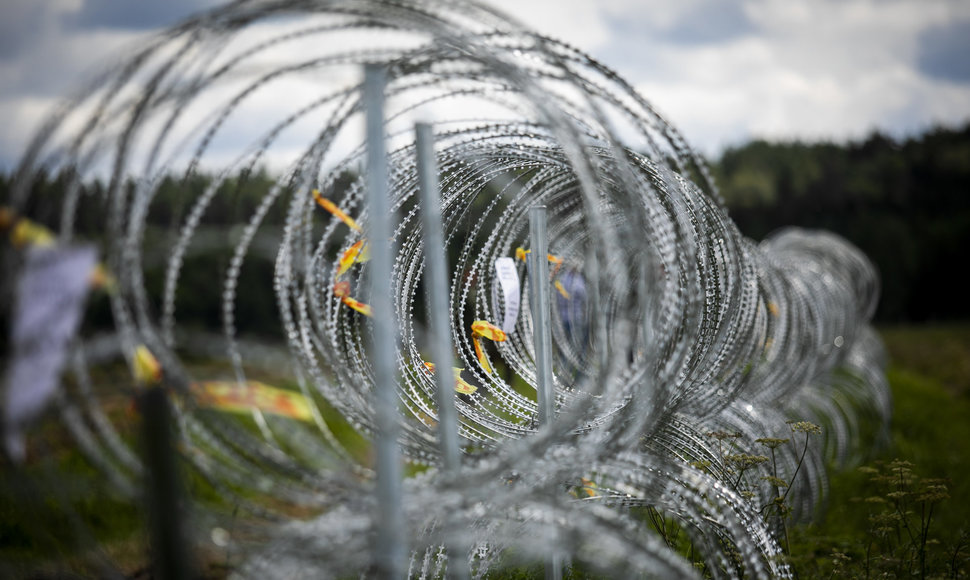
x: 669, y: 326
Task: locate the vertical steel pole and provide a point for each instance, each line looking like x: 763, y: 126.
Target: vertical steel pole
x: 436, y: 268
x: 539, y: 282
x: 390, y: 553
x: 171, y: 558
x: 542, y: 329
x: 437, y: 285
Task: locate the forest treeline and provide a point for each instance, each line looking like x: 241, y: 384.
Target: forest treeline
x: 906, y: 204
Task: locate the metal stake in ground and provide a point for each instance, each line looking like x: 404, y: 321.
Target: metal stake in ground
x: 390, y: 552
x: 539, y: 282
x: 436, y: 269
x: 171, y: 557
x: 542, y: 329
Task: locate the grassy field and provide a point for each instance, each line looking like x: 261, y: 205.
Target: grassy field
x: 866, y: 529
x: 871, y: 527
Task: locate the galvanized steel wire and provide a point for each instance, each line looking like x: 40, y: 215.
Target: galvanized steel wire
x: 668, y: 324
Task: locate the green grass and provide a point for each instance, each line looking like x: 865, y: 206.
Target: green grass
x: 940, y: 353
x: 929, y: 374
x: 57, y: 515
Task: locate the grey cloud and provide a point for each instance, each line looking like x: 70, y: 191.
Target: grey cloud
x: 21, y: 25
x: 713, y: 23
x: 61, y: 63
x: 944, y: 52
x: 707, y: 23
x: 629, y: 48
x: 39, y: 46
x: 633, y: 59
x: 135, y: 15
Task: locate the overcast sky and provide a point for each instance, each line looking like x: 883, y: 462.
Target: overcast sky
x: 722, y: 71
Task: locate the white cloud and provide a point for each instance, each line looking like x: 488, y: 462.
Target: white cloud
x: 580, y: 23
x: 802, y: 68
x: 21, y: 118
x: 816, y: 70
x: 813, y: 69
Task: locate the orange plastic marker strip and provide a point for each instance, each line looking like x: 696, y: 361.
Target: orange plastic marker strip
x: 357, y: 305
x: 562, y: 290
x: 146, y: 367
x: 24, y: 232
x: 461, y: 385
x: 484, y: 329
x: 488, y: 330
x: 336, y: 211
x: 356, y: 253
x: 521, y: 253
x: 364, y: 254
x: 102, y: 278
x: 342, y: 290
x: 232, y: 397
x: 481, y: 355
x: 557, y: 262
x: 28, y: 233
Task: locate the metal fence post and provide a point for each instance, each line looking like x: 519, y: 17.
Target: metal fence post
x: 542, y: 329
x: 441, y: 354
x: 539, y: 282
x: 437, y: 285
x: 390, y: 552
x: 171, y: 556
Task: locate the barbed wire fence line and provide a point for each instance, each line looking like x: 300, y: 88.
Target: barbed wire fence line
x: 667, y: 326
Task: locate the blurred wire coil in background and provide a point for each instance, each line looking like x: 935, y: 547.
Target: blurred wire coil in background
x: 669, y: 326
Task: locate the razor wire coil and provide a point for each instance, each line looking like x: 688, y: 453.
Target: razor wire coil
x: 668, y: 324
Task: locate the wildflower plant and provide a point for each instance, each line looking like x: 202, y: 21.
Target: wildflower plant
x: 901, y: 511
x: 760, y: 477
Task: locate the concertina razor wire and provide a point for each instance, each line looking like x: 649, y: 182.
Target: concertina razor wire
x: 668, y: 326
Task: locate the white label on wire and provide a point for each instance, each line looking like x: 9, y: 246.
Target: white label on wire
x: 508, y: 284
x: 49, y: 302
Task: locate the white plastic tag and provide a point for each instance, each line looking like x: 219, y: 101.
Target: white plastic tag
x: 507, y: 283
